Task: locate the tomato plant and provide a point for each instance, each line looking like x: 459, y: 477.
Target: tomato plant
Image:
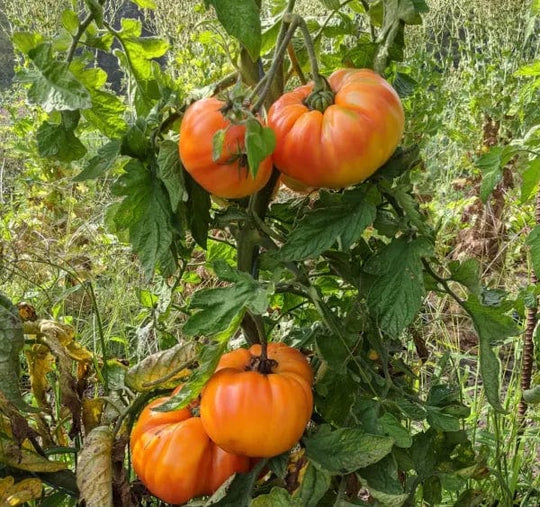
x: 356, y: 129
x: 255, y: 406
x: 174, y: 457
x: 227, y: 175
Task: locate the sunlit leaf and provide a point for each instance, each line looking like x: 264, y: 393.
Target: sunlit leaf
x: 24, y: 459
x: 260, y: 143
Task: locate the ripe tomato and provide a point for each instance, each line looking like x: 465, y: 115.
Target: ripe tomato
x: 258, y: 414
x: 174, y: 457
x: 229, y: 176
x: 347, y: 142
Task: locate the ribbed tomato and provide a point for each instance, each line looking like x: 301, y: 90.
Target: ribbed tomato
x: 229, y: 176
x: 348, y: 141
x: 258, y: 414
x: 174, y: 457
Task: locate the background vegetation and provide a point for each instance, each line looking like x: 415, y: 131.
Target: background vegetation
x: 471, y: 77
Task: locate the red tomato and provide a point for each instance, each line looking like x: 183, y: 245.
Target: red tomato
x: 347, y: 142
x: 258, y: 414
x: 229, y: 176
x: 174, y: 457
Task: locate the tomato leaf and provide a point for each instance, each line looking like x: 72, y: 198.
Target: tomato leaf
x: 96, y: 9
x: 397, y: 289
x: 53, y: 86
x: 338, y: 217
x: 492, y: 164
x: 467, y: 273
x: 315, y: 483
x: 197, y: 210
x: 492, y: 326
x: 100, y: 163
x: 217, y: 144
x: 260, y: 143
x: 170, y: 172
x: 11, y: 344
x: 59, y: 142
x: 145, y: 211
x: 384, y: 483
x: 218, y: 307
x: 22, y: 458
x: 278, y: 497
x: 241, y: 19
x: 94, y: 467
x: 531, y: 177
x: 346, y: 449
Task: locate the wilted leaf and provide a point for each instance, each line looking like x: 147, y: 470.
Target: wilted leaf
x: 91, y: 413
x: 22, y: 492
x: 40, y: 362
x: 11, y: 344
x: 94, y: 468
x: 24, y: 459
x: 163, y: 369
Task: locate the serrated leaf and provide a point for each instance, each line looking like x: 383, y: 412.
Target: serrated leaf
x: 101, y: 163
x: 24, y: 459
x: 94, y: 468
x: 397, y: 291
x: 146, y: 213
x: 11, y: 344
x: 218, y: 307
x: 53, y: 86
x: 345, y: 218
x: 346, y: 449
x: 58, y: 142
x: 260, y: 142
x: 492, y: 164
x: 467, y: 273
x: 492, y: 327
x: 241, y: 19
x: 162, y: 368
x: 26, y: 41
x: 170, y: 172
x: 106, y: 114
x: 533, y: 240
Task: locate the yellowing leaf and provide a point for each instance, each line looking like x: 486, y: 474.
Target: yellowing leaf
x: 79, y: 353
x: 22, y: 492
x: 94, y: 471
x: 91, y: 413
x: 163, y: 369
x: 5, y: 484
x: 62, y: 332
x: 40, y: 362
x: 25, y: 459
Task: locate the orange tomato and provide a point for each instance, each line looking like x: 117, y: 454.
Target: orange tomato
x: 347, y: 142
x: 228, y: 176
x: 258, y: 414
x: 175, y: 459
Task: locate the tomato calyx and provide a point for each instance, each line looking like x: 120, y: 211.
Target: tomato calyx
x: 263, y: 366
x: 321, y: 97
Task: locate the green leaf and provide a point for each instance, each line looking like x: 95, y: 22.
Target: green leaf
x: 70, y: 21
x: 344, y: 218
x: 533, y: 240
x: 346, y: 449
x: 58, y: 142
x: 278, y: 497
x: 96, y: 9
x: 11, y: 344
x: 53, y: 86
x: 260, y: 142
x: 432, y: 490
x: 531, y: 177
x: 397, y: 291
x: 217, y: 144
x: 532, y: 395
x: 315, y: 483
x: 241, y: 19
x: 492, y: 326
x: 102, y: 162
x: 383, y: 482
x: 26, y: 41
x: 492, y: 164
x: 136, y: 143
x: 146, y: 213
x: 393, y: 428
x: 106, y: 114
x: 333, y: 5
x: 441, y: 421
x: 170, y: 172
x: 218, y: 307
x: 467, y: 273
x: 198, y: 210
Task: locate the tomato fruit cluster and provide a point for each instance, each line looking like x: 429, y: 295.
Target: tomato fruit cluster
x: 250, y: 408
